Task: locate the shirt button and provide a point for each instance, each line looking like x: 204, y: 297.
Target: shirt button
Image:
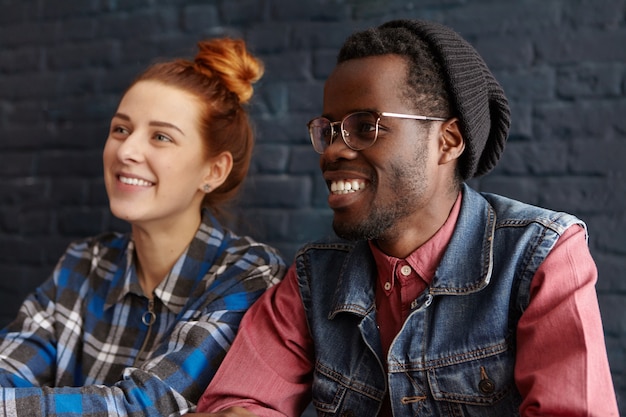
x: 405, y: 270
x: 387, y: 286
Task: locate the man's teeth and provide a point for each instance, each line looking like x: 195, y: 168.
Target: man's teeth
x: 346, y: 186
x: 135, y: 181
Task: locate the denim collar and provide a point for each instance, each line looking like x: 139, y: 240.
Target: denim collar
x: 465, y: 267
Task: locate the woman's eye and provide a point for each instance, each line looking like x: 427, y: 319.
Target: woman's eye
x: 162, y: 138
x: 120, y: 130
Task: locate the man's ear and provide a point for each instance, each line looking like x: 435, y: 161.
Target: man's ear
x: 218, y: 169
x: 451, y: 144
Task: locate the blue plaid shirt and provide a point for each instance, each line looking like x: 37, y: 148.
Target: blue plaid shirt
x: 88, y: 342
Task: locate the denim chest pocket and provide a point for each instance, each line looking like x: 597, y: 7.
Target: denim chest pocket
x: 477, y: 387
x: 336, y: 394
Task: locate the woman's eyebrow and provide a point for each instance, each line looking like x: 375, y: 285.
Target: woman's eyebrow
x: 153, y: 123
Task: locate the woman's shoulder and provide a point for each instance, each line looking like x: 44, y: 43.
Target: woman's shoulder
x: 83, y: 254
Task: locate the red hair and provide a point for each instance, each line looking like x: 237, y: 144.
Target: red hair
x: 221, y: 77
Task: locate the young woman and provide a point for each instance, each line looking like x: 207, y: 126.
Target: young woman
x: 137, y: 324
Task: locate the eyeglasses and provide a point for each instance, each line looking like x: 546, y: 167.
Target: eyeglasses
x: 359, y: 130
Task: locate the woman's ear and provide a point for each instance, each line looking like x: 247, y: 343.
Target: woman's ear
x: 452, y: 143
x: 218, y: 169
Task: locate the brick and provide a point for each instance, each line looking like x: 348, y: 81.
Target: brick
x: 35, y: 221
x: 320, y: 192
x: 589, y: 80
x: 504, y: 17
x: 242, y: 11
x: 19, y: 250
x: 287, y: 10
x: 14, y: 164
x: 80, y: 136
x: 289, y: 66
x: 70, y: 163
x: 81, y: 55
x: 16, y: 11
x: 288, y: 128
x: 79, y: 110
x: 69, y: 8
x: 139, y: 23
x: 505, y: 51
x: 324, y: 62
x: 80, y: 221
x: 597, y: 13
x: 269, y: 158
x: 78, y: 29
x: 277, y: 191
x: 597, y: 156
x: 526, y: 158
x: 27, y: 33
x: 53, y: 247
x: 323, y: 35
x: 580, y: 195
x: 521, y: 119
x: 24, y: 86
x: 25, y: 59
x: 310, y: 224
x: 96, y: 192
x: 538, y: 84
x: 613, y: 323
x: 612, y: 242
x: 571, y: 47
x: 199, y: 18
x: 270, y: 224
x: 523, y: 189
x: 304, y: 96
x: 68, y: 191
x: 610, y: 267
x: 304, y: 160
x: 616, y: 348
x: 580, y: 119
x: 268, y: 37
x: 30, y: 138
x: 74, y: 82
x: 8, y: 225
x: 22, y: 191
x: 272, y: 97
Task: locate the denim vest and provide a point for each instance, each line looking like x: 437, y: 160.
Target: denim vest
x: 455, y: 354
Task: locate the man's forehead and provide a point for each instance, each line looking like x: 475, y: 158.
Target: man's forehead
x: 366, y: 83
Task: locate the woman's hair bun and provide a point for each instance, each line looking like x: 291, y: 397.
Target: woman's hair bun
x: 229, y: 60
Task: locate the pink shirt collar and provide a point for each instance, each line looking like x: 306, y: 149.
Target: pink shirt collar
x: 425, y: 259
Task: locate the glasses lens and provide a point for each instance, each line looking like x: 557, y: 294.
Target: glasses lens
x: 321, y: 134
x: 360, y: 130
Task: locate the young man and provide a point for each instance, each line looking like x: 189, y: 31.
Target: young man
x: 438, y: 300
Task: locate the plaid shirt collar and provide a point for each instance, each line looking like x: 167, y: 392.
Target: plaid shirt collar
x: 207, y: 241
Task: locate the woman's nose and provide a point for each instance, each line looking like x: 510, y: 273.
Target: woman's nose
x: 131, y: 149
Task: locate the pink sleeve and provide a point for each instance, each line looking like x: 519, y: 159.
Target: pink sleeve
x: 268, y: 369
x: 562, y: 367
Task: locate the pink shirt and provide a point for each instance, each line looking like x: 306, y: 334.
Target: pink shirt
x: 561, y: 366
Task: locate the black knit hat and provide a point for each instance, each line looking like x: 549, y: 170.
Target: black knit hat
x: 476, y: 97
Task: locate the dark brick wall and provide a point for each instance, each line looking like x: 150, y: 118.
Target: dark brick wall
x: 63, y: 66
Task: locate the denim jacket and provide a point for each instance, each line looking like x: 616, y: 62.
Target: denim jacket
x: 455, y: 353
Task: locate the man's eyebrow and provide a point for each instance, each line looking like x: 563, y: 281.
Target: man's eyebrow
x: 152, y: 123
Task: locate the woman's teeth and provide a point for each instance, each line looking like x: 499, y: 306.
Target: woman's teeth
x: 135, y: 181
x: 346, y: 186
